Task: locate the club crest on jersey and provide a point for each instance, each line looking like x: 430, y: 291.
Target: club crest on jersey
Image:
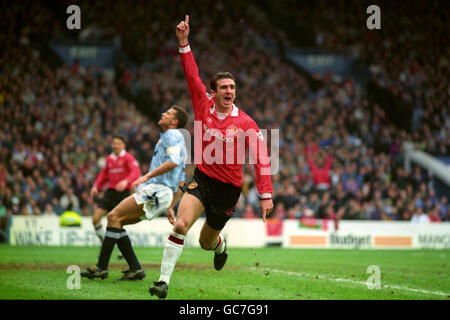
x: 193, y: 185
x: 231, y: 130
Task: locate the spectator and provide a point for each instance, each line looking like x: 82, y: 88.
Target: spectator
x: 249, y: 212
x: 433, y: 215
x: 69, y: 201
x: 4, y: 223
x: 279, y: 212
x: 48, y: 210
x: 56, y: 207
x: 320, y: 171
x: 64, y: 117
x: 3, y: 210
x: 420, y: 216
x: 444, y: 208
x: 353, y: 210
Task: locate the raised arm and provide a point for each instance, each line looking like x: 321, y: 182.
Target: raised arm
x: 182, y: 32
x: 197, y: 89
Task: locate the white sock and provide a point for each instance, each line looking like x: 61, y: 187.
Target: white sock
x: 99, y: 231
x: 172, y: 251
x: 219, y: 246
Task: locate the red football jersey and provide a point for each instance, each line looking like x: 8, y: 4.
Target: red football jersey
x: 117, y: 168
x: 220, y: 144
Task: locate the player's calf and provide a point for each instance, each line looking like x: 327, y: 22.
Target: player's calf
x: 220, y: 253
x: 219, y: 248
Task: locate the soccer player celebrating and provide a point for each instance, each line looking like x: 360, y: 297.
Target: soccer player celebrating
x: 157, y: 192
x: 216, y: 185
x: 120, y: 171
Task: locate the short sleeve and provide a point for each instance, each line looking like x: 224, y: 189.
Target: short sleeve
x: 173, y: 144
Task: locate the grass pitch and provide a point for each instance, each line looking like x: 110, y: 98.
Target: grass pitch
x: 253, y: 274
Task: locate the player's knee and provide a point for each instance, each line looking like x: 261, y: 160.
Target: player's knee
x: 113, y: 218
x: 180, y: 227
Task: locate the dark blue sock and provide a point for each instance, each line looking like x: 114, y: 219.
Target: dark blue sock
x: 111, y: 237
x: 125, y: 247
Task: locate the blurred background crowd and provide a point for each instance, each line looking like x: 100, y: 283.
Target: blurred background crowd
x: 341, y: 153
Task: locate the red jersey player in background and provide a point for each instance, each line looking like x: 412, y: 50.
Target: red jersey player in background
x: 120, y: 171
x: 216, y: 185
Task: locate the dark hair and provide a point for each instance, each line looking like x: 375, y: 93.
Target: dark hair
x: 122, y: 138
x: 181, y: 116
x: 219, y: 76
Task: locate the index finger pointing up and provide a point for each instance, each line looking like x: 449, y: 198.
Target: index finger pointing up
x: 186, y: 20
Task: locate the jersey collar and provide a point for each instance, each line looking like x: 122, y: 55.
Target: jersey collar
x: 121, y: 154
x: 234, y: 111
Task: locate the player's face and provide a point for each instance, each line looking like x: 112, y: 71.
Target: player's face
x: 167, y: 118
x: 225, y: 94
x: 117, y: 146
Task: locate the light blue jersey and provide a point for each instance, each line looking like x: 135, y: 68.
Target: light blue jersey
x: 170, y: 147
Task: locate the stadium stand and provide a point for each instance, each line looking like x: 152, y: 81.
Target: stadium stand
x: 56, y: 122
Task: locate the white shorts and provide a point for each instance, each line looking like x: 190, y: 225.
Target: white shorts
x: 162, y: 192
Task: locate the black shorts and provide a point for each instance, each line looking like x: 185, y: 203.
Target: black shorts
x: 218, y: 198
x: 112, y: 198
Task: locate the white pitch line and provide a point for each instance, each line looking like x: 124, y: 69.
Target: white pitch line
x: 385, y: 286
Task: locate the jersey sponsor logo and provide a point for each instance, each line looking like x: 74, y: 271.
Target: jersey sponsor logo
x: 224, y: 148
x: 216, y: 133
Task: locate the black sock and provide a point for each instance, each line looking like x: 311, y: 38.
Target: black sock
x: 125, y: 247
x: 111, y: 237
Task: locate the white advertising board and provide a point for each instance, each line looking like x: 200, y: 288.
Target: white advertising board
x: 368, y: 234
x: 250, y: 233
x: 47, y: 231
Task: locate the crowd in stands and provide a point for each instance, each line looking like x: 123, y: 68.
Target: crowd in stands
x: 409, y: 55
x: 56, y: 130
x: 340, y: 157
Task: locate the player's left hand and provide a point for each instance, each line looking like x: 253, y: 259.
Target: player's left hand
x: 171, y: 215
x: 266, y: 208
x: 182, y: 31
x: 121, y: 185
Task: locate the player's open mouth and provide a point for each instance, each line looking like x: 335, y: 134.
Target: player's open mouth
x: 227, y: 99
